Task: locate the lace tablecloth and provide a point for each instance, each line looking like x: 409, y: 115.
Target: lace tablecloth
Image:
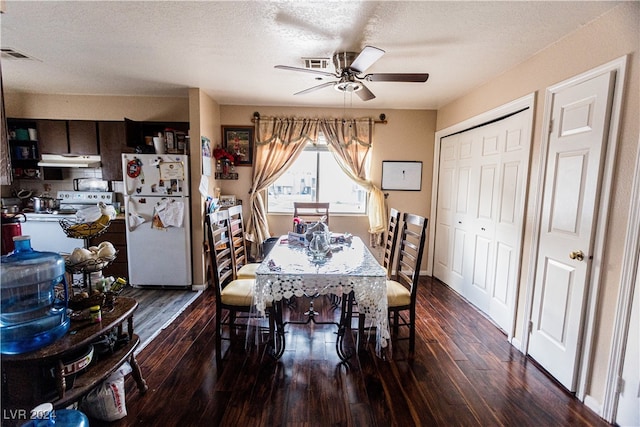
x: 289, y: 271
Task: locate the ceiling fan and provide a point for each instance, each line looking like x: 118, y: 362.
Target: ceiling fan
x: 349, y: 68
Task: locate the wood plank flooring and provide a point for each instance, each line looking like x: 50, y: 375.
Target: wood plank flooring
x: 463, y: 373
x: 156, y: 308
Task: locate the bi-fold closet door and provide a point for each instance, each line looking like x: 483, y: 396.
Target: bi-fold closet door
x: 480, y: 213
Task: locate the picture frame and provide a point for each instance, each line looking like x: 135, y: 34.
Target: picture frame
x: 401, y: 175
x: 238, y: 140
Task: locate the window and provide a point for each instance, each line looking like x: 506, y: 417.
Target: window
x: 316, y: 177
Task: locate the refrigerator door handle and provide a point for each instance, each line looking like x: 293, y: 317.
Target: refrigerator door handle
x: 127, y: 211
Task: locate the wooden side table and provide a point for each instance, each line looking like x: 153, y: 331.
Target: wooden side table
x: 28, y: 379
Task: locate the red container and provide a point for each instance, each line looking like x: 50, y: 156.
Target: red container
x: 10, y: 228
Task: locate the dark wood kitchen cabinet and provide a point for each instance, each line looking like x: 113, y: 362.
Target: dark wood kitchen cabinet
x: 68, y: 136
x: 83, y: 137
x: 53, y: 136
x: 113, y: 143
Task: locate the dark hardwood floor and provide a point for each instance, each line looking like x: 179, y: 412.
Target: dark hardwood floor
x: 463, y: 373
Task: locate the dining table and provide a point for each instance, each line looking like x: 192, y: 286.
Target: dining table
x: 348, y: 270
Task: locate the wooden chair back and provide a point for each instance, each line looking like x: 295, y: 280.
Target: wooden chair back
x: 236, y: 231
x: 220, y: 254
x: 412, y: 240
x: 391, y: 240
x: 311, y: 211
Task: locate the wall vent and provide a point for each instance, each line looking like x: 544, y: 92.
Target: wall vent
x: 316, y: 63
x: 10, y: 53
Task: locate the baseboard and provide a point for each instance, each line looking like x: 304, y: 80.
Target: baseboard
x: 517, y: 344
x: 201, y: 287
x: 593, y: 404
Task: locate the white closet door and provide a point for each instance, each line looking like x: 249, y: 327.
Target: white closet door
x: 480, y: 207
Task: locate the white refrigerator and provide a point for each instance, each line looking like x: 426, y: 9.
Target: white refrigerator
x: 158, y: 224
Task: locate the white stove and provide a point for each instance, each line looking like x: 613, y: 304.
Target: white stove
x: 45, y: 229
x: 76, y: 200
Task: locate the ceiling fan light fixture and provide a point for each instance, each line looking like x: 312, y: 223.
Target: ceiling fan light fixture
x: 348, y: 86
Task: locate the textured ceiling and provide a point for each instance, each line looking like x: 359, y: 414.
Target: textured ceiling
x: 229, y: 49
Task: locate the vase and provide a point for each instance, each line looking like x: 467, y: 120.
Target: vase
x: 319, y: 245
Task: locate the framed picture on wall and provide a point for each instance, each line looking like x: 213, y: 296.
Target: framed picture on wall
x: 400, y: 175
x: 238, y: 140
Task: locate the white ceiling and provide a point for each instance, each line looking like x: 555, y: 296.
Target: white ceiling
x: 229, y: 49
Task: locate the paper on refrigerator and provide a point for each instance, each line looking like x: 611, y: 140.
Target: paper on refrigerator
x: 170, y: 213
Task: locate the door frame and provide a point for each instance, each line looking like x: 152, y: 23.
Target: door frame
x: 630, y: 277
x: 526, y: 102
x: 600, y: 226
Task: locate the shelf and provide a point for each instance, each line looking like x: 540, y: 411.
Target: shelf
x: 96, y: 373
x: 232, y: 175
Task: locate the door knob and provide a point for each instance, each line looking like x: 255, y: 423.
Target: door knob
x: 577, y: 255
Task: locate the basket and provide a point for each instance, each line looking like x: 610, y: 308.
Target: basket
x: 83, y: 230
x: 90, y: 265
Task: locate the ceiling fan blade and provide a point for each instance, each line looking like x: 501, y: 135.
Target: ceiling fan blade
x: 306, y: 70
x: 397, y: 77
x: 365, y: 94
x: 314, y: 88
x: 366, y: 58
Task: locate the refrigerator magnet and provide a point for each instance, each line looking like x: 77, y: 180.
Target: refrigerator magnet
x: 171, y: 170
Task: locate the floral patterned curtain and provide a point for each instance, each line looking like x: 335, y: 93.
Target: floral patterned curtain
x: 279, y: 142
x: 350, y: 142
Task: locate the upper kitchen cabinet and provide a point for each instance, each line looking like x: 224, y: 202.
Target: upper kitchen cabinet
x: 113, y: 142
x: 140, y: 134
x: 53, y: 136
x: 83, y: 137
x: 68, y: 136
x: 24, y: 148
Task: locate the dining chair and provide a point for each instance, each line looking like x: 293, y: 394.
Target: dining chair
x: 233, y: 295
x: 402, y: 291
x: 390, y: 241
x: 311, y: 211
x: 244, y: 268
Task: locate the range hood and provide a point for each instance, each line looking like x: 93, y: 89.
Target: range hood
x: 69, y: 161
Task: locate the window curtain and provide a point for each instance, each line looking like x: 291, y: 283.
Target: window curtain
x: 279, y: 142
x: 350, y: 141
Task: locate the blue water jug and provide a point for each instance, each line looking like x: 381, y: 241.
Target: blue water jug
x: 44, y: 415
x: 33, y: 298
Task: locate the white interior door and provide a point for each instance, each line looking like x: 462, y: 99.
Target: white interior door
x: 452, y: 219
x: 580, y: 116
x: 480, y: 213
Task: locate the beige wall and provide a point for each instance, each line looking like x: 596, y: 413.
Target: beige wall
x: 408, y: 135
x: 613, y: 35
x: 89, y: 107
x: 204, y: 120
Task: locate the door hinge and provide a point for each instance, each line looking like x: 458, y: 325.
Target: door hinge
x: 530, y: 326
x: 620, y: 388
x: 551, y: 122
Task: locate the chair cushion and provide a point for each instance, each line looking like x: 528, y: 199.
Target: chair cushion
x: 238, y: 292
x: 397, y: 295
x: 248, y: 271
